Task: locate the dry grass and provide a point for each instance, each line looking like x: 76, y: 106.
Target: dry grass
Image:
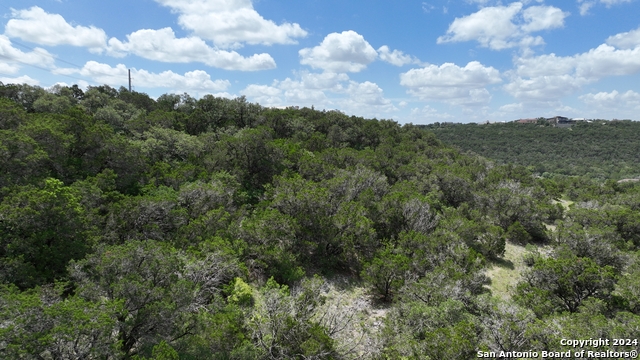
x: 506, y: 272
x: 565, y: 203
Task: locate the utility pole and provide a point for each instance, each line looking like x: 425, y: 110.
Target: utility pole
x: 129, y: 80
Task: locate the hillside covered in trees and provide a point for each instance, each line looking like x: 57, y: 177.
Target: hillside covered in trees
x: 182, y: 228
x: 598, y: 150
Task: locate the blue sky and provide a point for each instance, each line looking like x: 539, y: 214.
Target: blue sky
x: 411, y: 61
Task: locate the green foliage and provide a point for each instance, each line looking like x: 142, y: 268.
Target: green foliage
x: 563, y: 283
x: 43, y: 320
x: 517, y: 234
x: 23, y: 94
x: 386, y: 272
x: 161, y: 290
x: 241, y: 294
x: 443, y: 331
x: 600, y: 150
x: 11, y: 114
x: 166, y: 218
x: 283, y: 323
x: 21, y: 158
x: 50, y: 103
x: 505, y: 325
x: 41, y: 230
x: 628, y: 287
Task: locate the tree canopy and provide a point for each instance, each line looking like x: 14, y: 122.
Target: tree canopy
x: 214, y: 228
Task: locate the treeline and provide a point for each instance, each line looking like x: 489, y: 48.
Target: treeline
x: 598, y: 150
x: 134, y: 228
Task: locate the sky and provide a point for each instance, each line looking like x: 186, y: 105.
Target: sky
x: 411, y: 61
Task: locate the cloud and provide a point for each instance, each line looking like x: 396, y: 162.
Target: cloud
x: 427, y: 8
x: 609, y: 3
x: 39, y: 27
x: 512, y: 108
x: 612, y: 100
x: 231, y: 23
x: 451, y: 83
x: 321, y: 81
x: 264, y: 95
x: 8, y: 68
x: 24, y: 79
x: 539, y: 18
x: 625, y: 40
x: 428, y: 115
x: 196, y: 81
x: 308, y: 89
x: 586, y: 5
x: 502, y: 27
x: 340, y: 52
x: 311, y: 88
x: 544, y: 87
x: 11, y: 58
x: 549, y: 77
x: 396, y: 57
x: 162, y: 45
x: 323, y: 90
x: 366, y: 98
x: 491, y: 26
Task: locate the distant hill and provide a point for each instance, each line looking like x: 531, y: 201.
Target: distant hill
x: 598, y: 149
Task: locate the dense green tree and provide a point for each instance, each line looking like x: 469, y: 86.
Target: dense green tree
x: 43, y: 323
x: 94, y: 99
x: 161, y: 290
x: 600, y: 149
x: 11, y: 114
x: 41, y: 229
x: 283, y: 324
x: 563, y: 283
x: 628, y: 287
x: 505, y: 325
x: 21, y: 159
x: 51, y: 103
x: 23, y: 94
x: 175, y: 212
x: 386, y: 272
x: 598, y: 244
x: 140, y: 101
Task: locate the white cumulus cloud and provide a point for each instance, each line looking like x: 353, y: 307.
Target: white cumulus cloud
x: 232, y: 23
x: 625, y: 40
x: 502, y: 27
x: 542, y: 88
x: 11, y: 58
x: 312, y: 88
x: 539, y: 18
x: 452, y: 83
x: 162, y: 45
x: 367, y: 99
x: 613, y: 100
x: 428, y: 114
x: 24, y: 79
x: 264, y: 95
x: 323, y: 90
x: 197, y: 81
x: 549, y: 77
x: 37, y: 26
x: 396, y: 57
x: 340, y: 52
x: 585, y: 5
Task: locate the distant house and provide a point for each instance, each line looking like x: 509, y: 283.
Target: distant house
x: 559, y: 120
